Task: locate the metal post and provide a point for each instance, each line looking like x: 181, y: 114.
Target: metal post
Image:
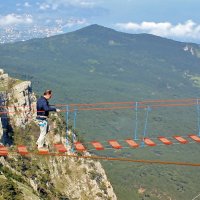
x: 136, y: 120
x: 67, y: 124
x: 73, y: 134
x: 67, y: 117
x: 198, y: 117
x: 75, y: 114
x: 145, y: 125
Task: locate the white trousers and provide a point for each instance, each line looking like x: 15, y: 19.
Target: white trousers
x: 44, y: 128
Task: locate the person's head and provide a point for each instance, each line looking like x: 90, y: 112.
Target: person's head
x: 47, y: 94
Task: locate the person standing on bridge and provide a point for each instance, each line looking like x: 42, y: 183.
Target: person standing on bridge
x: 43, y: 110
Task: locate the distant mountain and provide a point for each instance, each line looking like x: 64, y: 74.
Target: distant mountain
x: 102, y: 57
x: 98, y: 64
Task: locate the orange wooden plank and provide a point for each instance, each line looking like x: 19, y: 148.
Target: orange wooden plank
x: 132, y: 143
x: 114, y: 144
x: 97, y: 145
x: 60, y: 148
x: 181, y: 139
x: 164, y: 140
x: 149, y: 142
x: 22, y: 150
x: 43, y: 151
x: 195, y: 137
x: 79, y: 146
x: 3, y: 150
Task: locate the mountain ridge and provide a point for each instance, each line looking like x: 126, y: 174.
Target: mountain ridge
x: 95, y: 59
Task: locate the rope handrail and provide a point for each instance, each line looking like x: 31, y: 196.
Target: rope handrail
x: 114, y: 103
x: 122, y: 159
x: 114, y: 108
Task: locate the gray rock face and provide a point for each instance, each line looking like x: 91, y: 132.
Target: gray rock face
x: 17, y: 104
x: 1, y: 71
x: 23, y: 104
x: 3, y: 78
x: 85, y: 179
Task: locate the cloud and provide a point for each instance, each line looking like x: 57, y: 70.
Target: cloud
x: 14, y: 19
x: 74, y: 22
x: 77, y: 3
x: 44, y: 6
x: 188, y: 29
x: 71, y: 22
x: 26, y: 4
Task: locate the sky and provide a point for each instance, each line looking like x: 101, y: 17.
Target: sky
x: 174, y: 19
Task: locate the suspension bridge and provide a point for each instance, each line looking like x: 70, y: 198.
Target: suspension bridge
x: 135, y: 141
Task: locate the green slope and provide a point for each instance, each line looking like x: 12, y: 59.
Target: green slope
x: 97, y: 64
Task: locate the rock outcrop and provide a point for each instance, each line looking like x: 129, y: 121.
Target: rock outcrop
x: 17, y: 104
x: 22, y: 99
x: 3, y: 79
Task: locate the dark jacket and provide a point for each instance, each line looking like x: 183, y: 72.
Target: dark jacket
x: 43, y: 107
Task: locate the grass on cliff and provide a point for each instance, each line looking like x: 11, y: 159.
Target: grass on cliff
x: 8, y: 188
x: 22, y: 169
x: 8, y: 85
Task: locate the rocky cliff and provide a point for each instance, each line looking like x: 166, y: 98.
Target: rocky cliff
x: 42, y: 177
x: 22, y: 100
x: 20, y: 103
